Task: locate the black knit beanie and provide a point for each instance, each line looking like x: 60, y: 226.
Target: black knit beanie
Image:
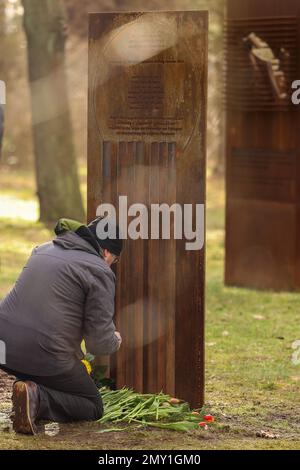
x: 114, y: 246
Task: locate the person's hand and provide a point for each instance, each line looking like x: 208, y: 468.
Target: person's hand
x: 119, y: 337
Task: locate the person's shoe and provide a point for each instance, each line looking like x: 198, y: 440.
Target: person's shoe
x: 25, y: 407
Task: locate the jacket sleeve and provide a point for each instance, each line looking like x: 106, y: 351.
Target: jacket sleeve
x: 99, y: 328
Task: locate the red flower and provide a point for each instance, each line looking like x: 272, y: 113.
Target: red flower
x: 209, y: 418
x: 202, y: 424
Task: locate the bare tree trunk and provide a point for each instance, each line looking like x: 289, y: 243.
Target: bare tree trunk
x: 56, y: 169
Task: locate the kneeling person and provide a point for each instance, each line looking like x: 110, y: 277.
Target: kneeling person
x: 64, y: 294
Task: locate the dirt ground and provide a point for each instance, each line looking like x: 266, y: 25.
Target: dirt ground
x: 230, y: 432
x: 5, y: 387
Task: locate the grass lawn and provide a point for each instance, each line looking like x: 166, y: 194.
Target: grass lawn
x: 251, y: 383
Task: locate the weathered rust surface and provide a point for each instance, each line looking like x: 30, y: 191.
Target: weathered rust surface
x: 147, y: 140
x: 263, y: 145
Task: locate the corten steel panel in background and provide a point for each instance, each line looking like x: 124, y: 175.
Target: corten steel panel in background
x: 263, y: 144
x: 147, y: 141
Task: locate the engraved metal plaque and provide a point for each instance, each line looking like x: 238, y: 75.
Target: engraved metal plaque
x: 146, y: 141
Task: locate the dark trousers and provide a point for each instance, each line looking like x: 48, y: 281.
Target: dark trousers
x: 68, y: 397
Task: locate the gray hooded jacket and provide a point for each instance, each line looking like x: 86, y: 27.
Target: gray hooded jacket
x: 64, y: 294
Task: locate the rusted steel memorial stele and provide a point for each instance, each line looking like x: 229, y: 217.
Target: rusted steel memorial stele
x: 147, y: 141
x: 263, y: 144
